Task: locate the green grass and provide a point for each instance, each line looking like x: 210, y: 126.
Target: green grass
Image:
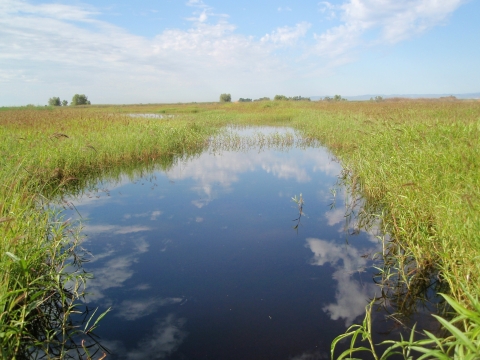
x: 416, y: 164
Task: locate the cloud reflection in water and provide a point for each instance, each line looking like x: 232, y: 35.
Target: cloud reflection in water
x: 135, y: 309
x: 166, y: 338
x: 351, y: 295
x: 209, y: 170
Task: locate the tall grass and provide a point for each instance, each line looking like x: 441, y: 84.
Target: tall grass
x: 416, y: 164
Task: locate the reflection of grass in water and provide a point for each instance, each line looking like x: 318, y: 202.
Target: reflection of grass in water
x: 416, y: 163
x: 460, y: 342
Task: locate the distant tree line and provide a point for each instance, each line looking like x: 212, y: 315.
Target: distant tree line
x: 292, y: 98
x: 335, y: 98
x: 277, y: 98
x: 78, y: 99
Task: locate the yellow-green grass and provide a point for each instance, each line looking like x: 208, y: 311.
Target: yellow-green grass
x: 417, y: 161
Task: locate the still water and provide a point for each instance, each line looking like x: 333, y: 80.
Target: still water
x: 202, y: 261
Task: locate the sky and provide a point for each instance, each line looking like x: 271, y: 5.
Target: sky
x: 163, y: 51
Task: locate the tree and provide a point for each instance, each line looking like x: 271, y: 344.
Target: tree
x: 280, y: 98
x: 80, y: 100
x: 54, y: 101
x: 263, y: 99
x: 335, y: 98
x: 64, y: 102
x: 299, y: 98
x: 225, y: 98
x: 244, y: 100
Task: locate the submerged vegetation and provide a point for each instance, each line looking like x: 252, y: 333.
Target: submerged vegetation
x: 416, y: 165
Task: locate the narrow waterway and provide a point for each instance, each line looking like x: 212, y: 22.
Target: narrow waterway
x: 212, y: 259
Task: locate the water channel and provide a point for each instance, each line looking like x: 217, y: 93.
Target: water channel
x: 206, y: 261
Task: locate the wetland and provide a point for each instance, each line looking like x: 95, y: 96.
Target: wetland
x: 197, y: 247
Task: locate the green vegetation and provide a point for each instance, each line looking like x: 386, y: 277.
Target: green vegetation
x: 79, y: 100
x: 225, y: 98
x: 461, y: 342
x: 54, y: 101
x: 335, y: 98
x: 292, y: 98
x: 44, y: 155
x: 416, y: 164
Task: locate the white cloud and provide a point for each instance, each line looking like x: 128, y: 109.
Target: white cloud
x: 47, y: 47
x: 196, y: 3
x: 395, y: 21
x: 69, y: 45
x: 287, y: 36
x: 327, y: 8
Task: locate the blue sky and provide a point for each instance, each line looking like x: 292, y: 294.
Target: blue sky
x: 194, y: 50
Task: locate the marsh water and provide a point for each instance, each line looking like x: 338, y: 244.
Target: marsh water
x: 210, y: 260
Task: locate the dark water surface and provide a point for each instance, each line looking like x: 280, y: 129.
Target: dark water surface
x: 202, y: 261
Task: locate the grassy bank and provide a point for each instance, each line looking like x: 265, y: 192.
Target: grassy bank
x: 417, y: 164
x: 42, y: 154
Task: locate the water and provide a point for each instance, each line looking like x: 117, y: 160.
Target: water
x: 151, y: 116
x: 203, y: 261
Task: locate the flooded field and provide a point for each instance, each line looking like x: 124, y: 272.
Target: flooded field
x: 213, y: 259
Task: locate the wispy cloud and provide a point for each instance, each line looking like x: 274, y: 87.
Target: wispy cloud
x: 287, y: 36
x: 394, y: 20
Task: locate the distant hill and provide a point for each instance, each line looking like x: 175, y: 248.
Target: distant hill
x: 410, y: 96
